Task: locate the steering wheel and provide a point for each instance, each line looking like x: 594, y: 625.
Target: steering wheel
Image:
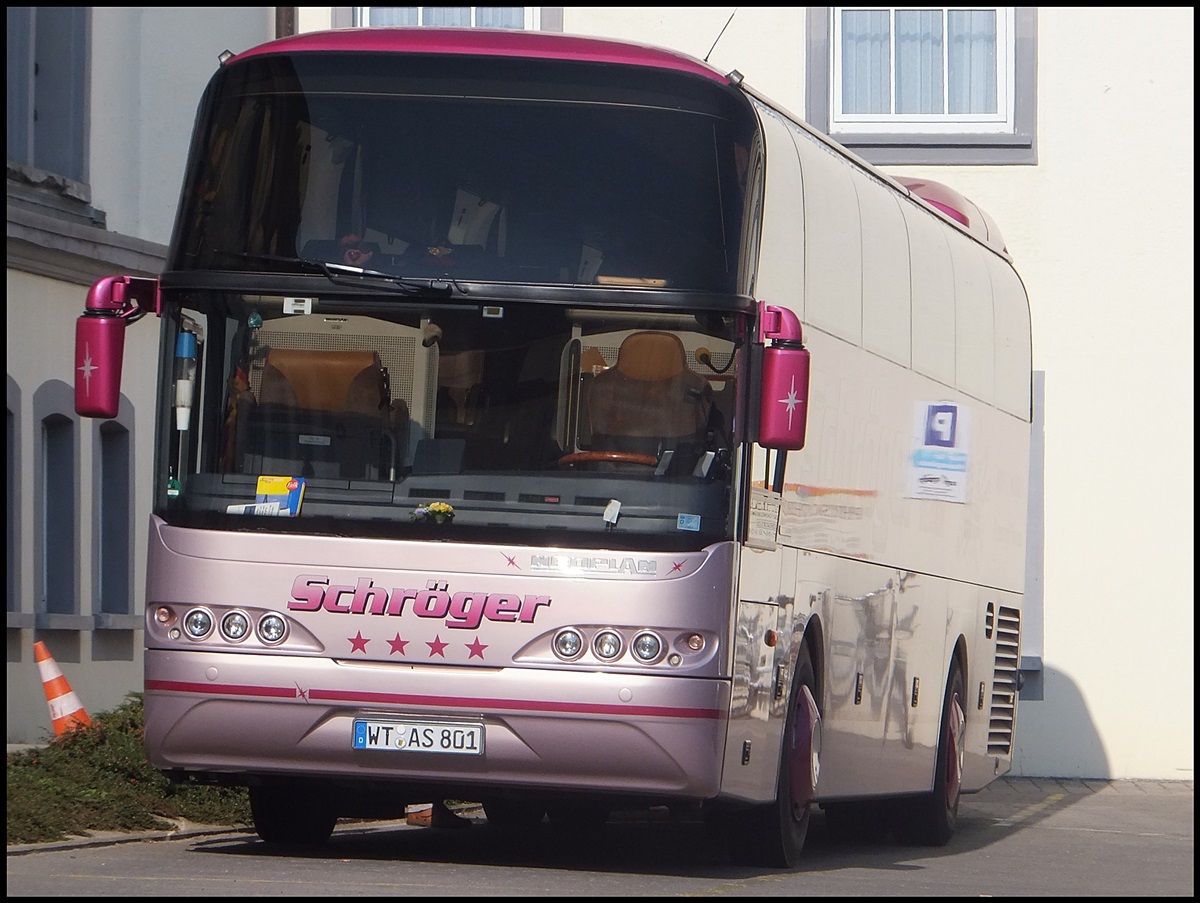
x: 616, y: 457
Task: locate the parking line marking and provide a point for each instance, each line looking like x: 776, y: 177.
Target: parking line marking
x: 1030, y: 810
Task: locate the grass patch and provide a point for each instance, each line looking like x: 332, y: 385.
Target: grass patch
x: 97, y: 778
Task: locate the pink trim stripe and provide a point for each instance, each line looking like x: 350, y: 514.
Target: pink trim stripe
x: 452, y: 702
x: 183, y: 686
x: 487, y: 42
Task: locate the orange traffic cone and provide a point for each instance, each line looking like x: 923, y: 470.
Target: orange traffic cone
x: 66, y: 711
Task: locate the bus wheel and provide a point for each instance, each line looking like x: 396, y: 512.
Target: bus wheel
x: 929, y: 819
x: 508, y: 813
x: 288, y: 817
x: 773, y: 835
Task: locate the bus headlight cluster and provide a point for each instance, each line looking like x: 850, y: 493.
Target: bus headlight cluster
x: 198, y: 623
x: 568, y: 644
x: 647, y: 647
x: 271, y: 628
x: 233, y: 626
x: 609, y: 644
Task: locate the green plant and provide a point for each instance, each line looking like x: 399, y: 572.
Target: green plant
x: 97, y: 778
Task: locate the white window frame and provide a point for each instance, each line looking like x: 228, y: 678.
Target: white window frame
x: 531, y: 18
x: 1001, y: 122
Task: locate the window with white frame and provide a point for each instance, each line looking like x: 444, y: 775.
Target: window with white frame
x: 925, y: 84
x: 519, y: 17
x: 922, y: 70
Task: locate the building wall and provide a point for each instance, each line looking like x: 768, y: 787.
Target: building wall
x: 1101, y: 229
x: 148, y: 68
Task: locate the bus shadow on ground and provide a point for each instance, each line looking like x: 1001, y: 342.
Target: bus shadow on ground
x: 683, y: 847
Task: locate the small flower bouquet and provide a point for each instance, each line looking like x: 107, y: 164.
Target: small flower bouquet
x: 438, y: 512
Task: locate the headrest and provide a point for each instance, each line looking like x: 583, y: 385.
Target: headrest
x: 322, y: 380
x: 651, y: 356
x: 460, y: 369
x: 592, y: 361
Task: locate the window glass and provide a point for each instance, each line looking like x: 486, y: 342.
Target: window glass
x: 47, y: 63
x: 922, y: 70
x: 922, y: 85
x: 331, y: 160
x: 448, y: 16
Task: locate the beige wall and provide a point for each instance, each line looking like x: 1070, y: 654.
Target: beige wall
x: 1101, y: 230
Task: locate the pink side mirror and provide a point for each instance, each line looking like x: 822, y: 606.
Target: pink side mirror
x: 112, y: 304
x: 783, y: 411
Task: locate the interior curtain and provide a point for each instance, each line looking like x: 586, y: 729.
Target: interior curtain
x: 945, y: 61
x: 972, y: 60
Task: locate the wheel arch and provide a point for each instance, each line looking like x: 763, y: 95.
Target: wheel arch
x: 960, y: 655
x: 814, y: 637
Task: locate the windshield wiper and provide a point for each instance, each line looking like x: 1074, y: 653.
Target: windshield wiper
x: 344, y: 274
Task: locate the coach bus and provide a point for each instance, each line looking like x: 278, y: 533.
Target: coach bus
x: 558, y: 424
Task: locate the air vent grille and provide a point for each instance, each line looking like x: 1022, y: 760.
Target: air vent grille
x: 1004, y: 681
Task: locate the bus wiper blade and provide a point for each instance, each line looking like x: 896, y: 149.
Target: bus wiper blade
x: 340, y: 274
x: 405, y: 283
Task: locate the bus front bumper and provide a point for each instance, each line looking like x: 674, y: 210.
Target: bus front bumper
x: 246, y: 717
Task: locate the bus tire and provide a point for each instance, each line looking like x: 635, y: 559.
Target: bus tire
x: 929, y: 819
x: 286, y: 816
x: 773, y: 835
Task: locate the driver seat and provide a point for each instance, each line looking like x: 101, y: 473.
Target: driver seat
x: 650, y: 401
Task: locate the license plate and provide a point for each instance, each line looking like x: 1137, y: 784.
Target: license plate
x: 452, y: 737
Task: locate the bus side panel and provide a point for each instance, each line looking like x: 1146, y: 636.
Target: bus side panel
x: 863, y: 308
x: 853, y: 489
x: 770, y: 620
x: 903, y: 313
x: 783, y: 215
x: 876, y: 628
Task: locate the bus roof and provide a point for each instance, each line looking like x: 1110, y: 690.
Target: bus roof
x: 487, y: 42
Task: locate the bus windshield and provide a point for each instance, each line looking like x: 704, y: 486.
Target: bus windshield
x: 465, y: 169
x: 496, y: 417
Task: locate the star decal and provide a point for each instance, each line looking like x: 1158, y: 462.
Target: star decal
x: 88, y: 367
x: 397, y: 645
x: 476, y: 648
x: 301, y: 692
x: 792, y: 401
x: 677, y: 566
x: 512, y: 561
x: 437, y: 647
x: 358, y: 643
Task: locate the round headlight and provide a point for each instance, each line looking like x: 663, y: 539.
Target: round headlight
x: 198, y: 623
x: 647, y: 647
x: 271, y: 628
x: 235, y: 626
x: 568, y: 644
x: 607, y: 645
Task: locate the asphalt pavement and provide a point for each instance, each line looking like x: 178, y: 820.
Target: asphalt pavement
x: 1018, y: 837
